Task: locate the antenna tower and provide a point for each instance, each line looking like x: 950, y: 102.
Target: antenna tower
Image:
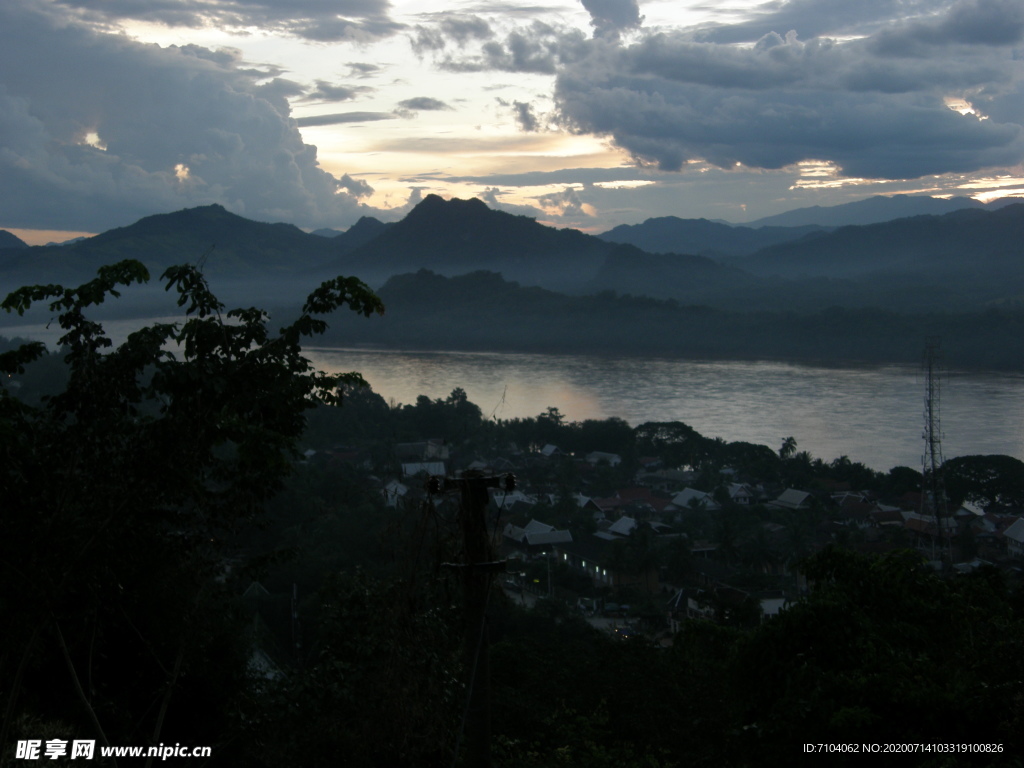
x: 933, y: 498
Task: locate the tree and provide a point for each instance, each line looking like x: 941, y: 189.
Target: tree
x: 886, y: 647
x: 120, y: 491
x: 988, y: 481
x: 676, y: 443
x: 788, y: 448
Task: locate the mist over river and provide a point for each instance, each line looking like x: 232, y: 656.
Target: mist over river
x: 872, y: 414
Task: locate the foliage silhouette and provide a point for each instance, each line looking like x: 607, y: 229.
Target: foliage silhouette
x: 119, y: 492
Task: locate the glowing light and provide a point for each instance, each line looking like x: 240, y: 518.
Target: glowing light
x: 624, y: 184
x: 182, y: 172
x: 93, y: 139
x: 988, y: 183
x: 997, y: 194
x: 964, y: 107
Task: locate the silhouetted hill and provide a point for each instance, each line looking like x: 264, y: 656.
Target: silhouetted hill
x: 685, y: 278
x: 228, y: 243
x: 962, y: 259
x: 8, y: 240
x: 363, y: 231
x: 875, y: 210
x: 670, y: 234
x: 245, y: 261
x: 458, y: 236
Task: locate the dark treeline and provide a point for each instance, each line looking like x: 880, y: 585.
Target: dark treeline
x: 481, y: 311
x: 196, y: 550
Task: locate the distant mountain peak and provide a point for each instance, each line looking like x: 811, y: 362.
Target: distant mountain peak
x: 434, y: 205
x: 8, y: 240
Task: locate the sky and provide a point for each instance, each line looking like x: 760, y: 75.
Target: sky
x: 580, y: 113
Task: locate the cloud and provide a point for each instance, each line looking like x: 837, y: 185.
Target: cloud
x: 492, y: 196
x: 537, y: 48
x: 321, y: 20
x: 363, y: 69
x: 609, y: 17
x: 449, y: 28
x: 340, y: 118
x: 97, y: 130
x: 325, y: 91
x: 355, y: 187
x: 566, y: 203
x: 817, y: 18
x: 986, y: 23
x: 874, y: 105
x: 566, y: 176
x: 524, y: 116
x: 864, y: 86
x: 564, y: 208
x: 424, y: 103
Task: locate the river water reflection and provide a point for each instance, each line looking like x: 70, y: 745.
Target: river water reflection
x: 872, y: 414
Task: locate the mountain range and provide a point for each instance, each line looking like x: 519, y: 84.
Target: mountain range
x: 967, y: 260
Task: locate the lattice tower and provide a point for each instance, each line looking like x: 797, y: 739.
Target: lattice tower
x: 933, y: 497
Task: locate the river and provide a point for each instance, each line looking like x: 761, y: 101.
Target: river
x: 872, y: 414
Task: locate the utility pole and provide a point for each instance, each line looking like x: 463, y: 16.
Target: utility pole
x: 478, y: 569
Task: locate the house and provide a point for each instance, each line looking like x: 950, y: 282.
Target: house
x: 924, y: 532
x: 792, y: 499
x: 536, y: 536
x: 621, y: 528
x: 644, y: 500
x: 551, y: 450
x: 609, y: 505
x: 692, y: 499
x: 596, y: 457
x: 741, y: 493
x: 431, y: 468
x: 502, y: 499
x: 1014, y: 536
x: 885, y: 516
x: 394, y: 491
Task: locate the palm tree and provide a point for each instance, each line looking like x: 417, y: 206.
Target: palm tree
x: 788, y: 448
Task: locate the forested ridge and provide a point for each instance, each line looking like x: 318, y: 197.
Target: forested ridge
x: 200, y: 493
x: 482, y: 311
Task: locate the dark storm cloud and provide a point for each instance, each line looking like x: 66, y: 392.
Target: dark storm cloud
x: 863, y: 85
x: 868, y: 135
x: 875, y: 105
x: 97, y: 130
x: 814, y: 18
x: 609, y: 17
x: 325, y: 20
x: 983, y: 23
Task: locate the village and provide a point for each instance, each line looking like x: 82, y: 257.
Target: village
x: 679, y: 527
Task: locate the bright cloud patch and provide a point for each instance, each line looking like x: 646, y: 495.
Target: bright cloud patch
x: 353, y: 20
x: 97, y: 130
